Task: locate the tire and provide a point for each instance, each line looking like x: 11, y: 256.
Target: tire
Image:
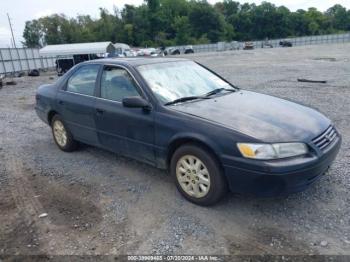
x: 66, y: 142
x: 213, y: 186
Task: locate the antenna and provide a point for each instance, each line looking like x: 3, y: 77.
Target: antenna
x: 13, y: 38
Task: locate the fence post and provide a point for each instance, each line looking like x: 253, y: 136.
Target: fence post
x: 13, y: 66
x: 34, y: 60
x: 26, y: 57
x: 19, y: 59
x: 41, y: 60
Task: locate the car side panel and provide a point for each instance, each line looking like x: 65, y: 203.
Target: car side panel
x: 127, y: 131
x: 78, y: 113
x: 171, y: 126
x: 45, y: 101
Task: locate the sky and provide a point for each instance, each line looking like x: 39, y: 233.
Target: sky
x: 21, y: 11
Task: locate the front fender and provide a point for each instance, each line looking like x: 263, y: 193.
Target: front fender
x: 195, y: 137
x: 183, y: 138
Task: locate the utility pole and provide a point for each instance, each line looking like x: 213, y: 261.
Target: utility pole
x: 13, y: 38
x: 14, y: 44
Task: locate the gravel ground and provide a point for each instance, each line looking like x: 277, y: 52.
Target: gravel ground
x: 100, y: 203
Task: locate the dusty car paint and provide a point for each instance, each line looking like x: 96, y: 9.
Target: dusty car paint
x: 218, y: 124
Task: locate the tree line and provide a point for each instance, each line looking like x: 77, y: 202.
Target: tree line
x: 179, y: 22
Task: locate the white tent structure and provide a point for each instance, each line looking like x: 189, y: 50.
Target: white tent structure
x: 77, y: 49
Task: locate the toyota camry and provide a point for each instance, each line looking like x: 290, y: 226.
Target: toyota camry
x: 178, y: 115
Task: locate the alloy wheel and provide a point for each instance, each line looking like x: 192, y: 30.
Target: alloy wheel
x: 60, y: 133
x: 193, y: 176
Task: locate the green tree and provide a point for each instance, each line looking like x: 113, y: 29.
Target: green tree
x: 32, y: 34
x: 181, y: 26
x: 299, y: 23
x: 52, y: 29
x: 153, y: 17
x: 169, y: 22
x: 206, y: 20
x: 339, y: 17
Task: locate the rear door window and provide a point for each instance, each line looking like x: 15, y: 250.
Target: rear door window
x: 83, y: 81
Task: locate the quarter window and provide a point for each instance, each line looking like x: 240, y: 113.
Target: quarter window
x: 116, y: 84
x: 83, y: 81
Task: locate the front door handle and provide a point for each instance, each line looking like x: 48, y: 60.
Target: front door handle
x: 99, y: 111
x: 60, y: 102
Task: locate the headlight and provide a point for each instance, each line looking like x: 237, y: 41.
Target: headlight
x: 272, y: 151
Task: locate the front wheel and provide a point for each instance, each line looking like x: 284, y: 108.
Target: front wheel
x: 63, y: 138
x: 198, y: 175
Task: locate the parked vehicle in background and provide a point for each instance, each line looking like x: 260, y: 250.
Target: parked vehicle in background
x: 121, y: 49
x: 130, y: 53
x: 63, y: 65
x: 266, y: 44
x: 147, y: 52
x: 139, y: 51
x: 234, y: 45
x: 177, y: 115
x: 172, y: 51
x: 158, y: 52
x: 189, y: 49
x: 285, y: 43
x: 248, y: 46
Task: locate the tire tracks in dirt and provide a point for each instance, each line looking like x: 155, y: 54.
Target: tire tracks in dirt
x: 27, y: 203
x: 29, y: 208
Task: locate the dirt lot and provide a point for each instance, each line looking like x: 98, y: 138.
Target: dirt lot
x: 100, y: 203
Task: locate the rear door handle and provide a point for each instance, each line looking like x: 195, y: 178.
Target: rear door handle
x: 60, y: 102
x: 99, y: 111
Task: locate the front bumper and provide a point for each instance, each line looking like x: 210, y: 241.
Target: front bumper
x: 277, y: 177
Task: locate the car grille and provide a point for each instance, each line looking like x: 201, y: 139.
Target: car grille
x: 326, y: 138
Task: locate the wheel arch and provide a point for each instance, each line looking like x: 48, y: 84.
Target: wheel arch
x: 200, y: 141
x: 50, y: 115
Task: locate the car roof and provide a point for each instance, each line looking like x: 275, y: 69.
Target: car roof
x: 135, y: 61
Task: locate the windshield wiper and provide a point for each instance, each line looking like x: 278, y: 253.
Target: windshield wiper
x: 219, y: 90
x: 184, y: 99
x: 206, y: 96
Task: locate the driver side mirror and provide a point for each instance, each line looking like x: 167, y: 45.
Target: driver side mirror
x: 136, y: 102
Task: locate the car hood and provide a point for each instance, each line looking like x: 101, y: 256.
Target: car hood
x: 266, y: 118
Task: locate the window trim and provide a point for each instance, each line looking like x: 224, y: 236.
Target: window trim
x: 138, y: 86
x: 65, y: 86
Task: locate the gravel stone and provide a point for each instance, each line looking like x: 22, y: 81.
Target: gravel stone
x: 324, y: 243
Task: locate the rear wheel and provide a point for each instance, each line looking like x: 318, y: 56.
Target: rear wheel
x: 63, y: 138
x: 198, y: 175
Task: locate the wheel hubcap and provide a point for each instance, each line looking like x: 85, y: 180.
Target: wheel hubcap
x: 193, y: 176
x: 60, y: 133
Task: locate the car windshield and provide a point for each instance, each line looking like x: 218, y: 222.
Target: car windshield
x: 174, y: 80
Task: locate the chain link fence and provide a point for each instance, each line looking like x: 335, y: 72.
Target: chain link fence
x: 24, y: 59
x: 296, y: 41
